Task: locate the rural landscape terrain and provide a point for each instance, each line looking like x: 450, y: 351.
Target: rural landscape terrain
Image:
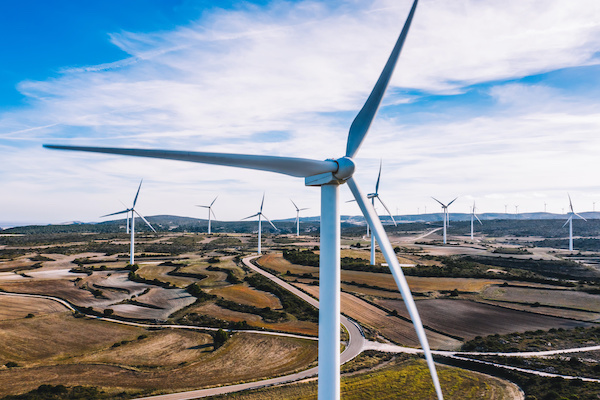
x: 510, y: 314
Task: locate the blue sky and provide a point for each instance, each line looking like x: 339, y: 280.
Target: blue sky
x: 495, y: 103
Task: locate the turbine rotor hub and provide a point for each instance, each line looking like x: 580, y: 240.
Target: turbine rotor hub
x: 345, y: 169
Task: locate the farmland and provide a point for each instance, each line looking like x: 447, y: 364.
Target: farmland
x: 198, y: 280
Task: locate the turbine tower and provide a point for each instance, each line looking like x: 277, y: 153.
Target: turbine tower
x: 298, y: 217
x: 260, y: 214
x: 570, y: 222
x: 445, y: 216
x: 131, y: 221
x: 210, y: 211
x: 374, y: 196
x: 473, y: 216
x: 328, y: 175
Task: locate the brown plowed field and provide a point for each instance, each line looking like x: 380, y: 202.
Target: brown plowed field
x: 391, y: 327
x: 12, y: 307
x: 278, y: 263
x: 246, y: 295
x: 71, y: 351
x: 468, y: 319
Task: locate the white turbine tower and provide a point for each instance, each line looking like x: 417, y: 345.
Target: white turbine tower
x: 260, y: 214
x: 328, y: 175
x: 298, y: 217
x: 445, y: 216
x: 570, y: 222
x: 133, y: 211
x: 374, y: 196
x: 473, y: 216
x: 210, y: 211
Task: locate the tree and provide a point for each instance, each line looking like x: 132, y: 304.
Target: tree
x: 220, y: 338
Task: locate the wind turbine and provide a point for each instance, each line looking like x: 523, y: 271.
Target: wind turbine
x: 473, y: 216
x: 445, y: 209
x: 374, y: 196
x: 133, y: 211
x: 298, y: 217
x: 328, y: 175
x: 260, y: 214
x: 570, y: 222
x: 210, y: 211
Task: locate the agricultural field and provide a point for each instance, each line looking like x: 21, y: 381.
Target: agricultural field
x: 468, y: 319
x: 244, y: 294
x: 12, y: 307
x: 390, y: 327
x: 83, y: 351
x: 555, y: 298
x: 398, y: 379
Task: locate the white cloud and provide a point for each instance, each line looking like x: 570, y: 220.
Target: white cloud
x: 305, y: 69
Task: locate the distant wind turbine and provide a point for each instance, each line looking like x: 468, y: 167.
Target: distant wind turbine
x: 570, y: 222
x: 298, y: 217
x: 473, y: 216
x: 260, y: 215
x: 210, y: 211
x: 328, y: 175
x: 445, y: 209
x: 374, y: 196
x: 133, y: 211
x: 516, y: 209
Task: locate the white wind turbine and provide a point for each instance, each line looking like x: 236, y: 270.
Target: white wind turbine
x: 374, y: 196
x: 260, y: 214
x: 133, y: 211
x: 570, y: 222
x: 445, y: 216
x: 328, y: 175
x: 298, y: 217
x: 210, y: 211
x: 473, y: 216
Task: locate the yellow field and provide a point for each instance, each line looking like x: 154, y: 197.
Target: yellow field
x: 278, y: 263
x: 246, y: 295
x: 408, y: 380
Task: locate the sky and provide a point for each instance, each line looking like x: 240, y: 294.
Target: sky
x: 496, y: 103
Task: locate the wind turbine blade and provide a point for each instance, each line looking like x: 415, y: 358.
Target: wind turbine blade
x: 475, y: 215
x: 297, y: 209
x: 580, y: 216
x: 388, y: 252
x: 144, y: 219
x: 452, y: 202
x: 252, y: 216
x: 362, y: 122
x: 443, y: 205
x: 137, y: 194
x: 115, y: 213
x: 269, y: 221
x: 570, y: 202
x: 567, y: 221
x: 212, y: 212
x: 262, y: 203
x: 299, y: 167
x: 302, y: 209
x: 378, y: 178
x: 388, y: 210
x: 213, y: 202
x: 204, y: 206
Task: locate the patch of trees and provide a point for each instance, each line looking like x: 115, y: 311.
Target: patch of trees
x: 311, y: 259
x: 562, y: 269
x: 555, y: 338
x: 291, y: 304
x: 195, y: 290
x: 266, y: 313
x: 196, y: 319
x: 231, y: 278
x: 582, y: 244
x: 132, y: 276
x: 220, y: 337
x: 535, y: 387
x: 59, y: 392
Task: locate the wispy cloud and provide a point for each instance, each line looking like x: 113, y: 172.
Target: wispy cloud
x: 288, y: 78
